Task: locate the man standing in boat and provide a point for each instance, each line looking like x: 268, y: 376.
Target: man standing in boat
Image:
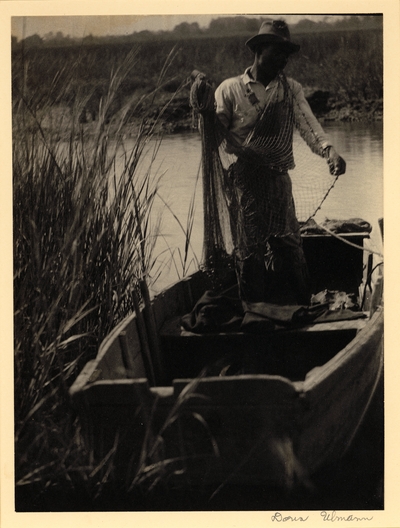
x: 258, y: 111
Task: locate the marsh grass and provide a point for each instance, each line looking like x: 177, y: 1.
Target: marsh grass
x: 183, y: 260
x: 84, y: 237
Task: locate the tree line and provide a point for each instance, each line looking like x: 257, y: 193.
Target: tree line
x: 221, y: 26
x: 346, y: 65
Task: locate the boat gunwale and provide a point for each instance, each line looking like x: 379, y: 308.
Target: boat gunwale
x: 313, y: 376
x: 318, y: 374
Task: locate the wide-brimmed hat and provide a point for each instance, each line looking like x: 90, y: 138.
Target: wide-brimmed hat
x: 275, y: 31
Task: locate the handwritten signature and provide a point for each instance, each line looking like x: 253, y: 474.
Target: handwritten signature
x: 326, y: 516
x: 333, y: 516
x: 280, y: 518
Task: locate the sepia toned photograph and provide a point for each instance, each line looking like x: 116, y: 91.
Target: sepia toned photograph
x: 198, y: 263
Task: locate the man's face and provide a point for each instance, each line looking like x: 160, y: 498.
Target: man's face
x: 272, y: 58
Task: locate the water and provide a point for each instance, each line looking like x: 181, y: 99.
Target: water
x: 358, y: 193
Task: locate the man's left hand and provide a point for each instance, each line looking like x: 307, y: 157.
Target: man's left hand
x: 337, y: 165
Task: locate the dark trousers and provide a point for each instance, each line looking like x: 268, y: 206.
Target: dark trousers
x: 275, y: 272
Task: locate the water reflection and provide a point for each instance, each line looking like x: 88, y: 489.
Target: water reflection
x: 359, y: 193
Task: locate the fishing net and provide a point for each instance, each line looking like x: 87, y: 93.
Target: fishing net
x: 248, y: 195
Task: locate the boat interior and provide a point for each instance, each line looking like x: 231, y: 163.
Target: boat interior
x: 288, y: 347
x: 243, y: 383
x: 166, y: 350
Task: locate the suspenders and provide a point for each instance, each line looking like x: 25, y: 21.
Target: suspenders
x: 251, y: 96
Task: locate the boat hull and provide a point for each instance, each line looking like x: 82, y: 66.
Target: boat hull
x: 242, y: 429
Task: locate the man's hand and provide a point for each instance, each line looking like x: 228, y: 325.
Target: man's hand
x: 337, y: 165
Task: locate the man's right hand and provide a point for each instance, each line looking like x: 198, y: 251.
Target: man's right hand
x: 337, y: 165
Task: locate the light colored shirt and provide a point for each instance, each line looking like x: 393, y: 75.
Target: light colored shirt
x: 238, y: 114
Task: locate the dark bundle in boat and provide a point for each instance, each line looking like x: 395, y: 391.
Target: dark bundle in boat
x: 352, y: 225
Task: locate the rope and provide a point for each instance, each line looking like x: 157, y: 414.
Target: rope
x: 350, y: 243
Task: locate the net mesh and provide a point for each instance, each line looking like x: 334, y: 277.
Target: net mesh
x: 248, y: 195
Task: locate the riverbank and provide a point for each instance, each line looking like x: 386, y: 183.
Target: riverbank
x: 178, y: 117
x: 326, y: 107
x: 329, y: 108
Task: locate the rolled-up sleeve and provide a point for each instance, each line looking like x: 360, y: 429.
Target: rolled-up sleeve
x: 306, y: 122
x: 224, y: 106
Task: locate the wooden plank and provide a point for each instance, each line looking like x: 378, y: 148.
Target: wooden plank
x: 132, y: 351
x: 109, y: 363
x: 241, y: 390
x: 155, y: 357
x: 373, y: 332
x: 377, y: 295
x: 289, y: 353
x: 116, y: 416
x: 362, y: 234
x: 169, y: 303
x: 333, y: 326
x: 110, y: 357
x: 172, y: 328
x: 83, y: 378
x: 246, y: 430
x: 141, y: 332
x: 337, y: 394
x: 119, y: 392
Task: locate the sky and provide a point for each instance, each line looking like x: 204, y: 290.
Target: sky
x: 81, y: 26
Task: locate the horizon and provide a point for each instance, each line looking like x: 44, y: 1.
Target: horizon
x: 80, y: 26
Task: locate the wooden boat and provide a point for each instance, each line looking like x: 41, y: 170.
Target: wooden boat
x: 199, y: 426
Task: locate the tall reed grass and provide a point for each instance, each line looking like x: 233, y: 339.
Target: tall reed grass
x: 84, y: 238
